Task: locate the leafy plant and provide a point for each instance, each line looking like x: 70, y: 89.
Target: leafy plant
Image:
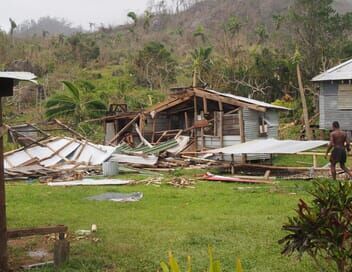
x: 74, y: 103
x: 323, y: 230
x: 214, y: 265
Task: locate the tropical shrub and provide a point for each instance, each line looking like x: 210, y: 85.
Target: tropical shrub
x: 75, y: 103
x: 323, y: 229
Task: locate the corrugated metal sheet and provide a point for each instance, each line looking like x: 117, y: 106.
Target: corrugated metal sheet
x: 248, y: 100
x: 344, y: 97
x: 329, y: 108
x: 251, y: 125
x: 339, y: 72
x: 19, y: 76
x: 269, y: 146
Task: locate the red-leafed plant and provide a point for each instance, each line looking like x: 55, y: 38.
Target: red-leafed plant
x: 323, y: 229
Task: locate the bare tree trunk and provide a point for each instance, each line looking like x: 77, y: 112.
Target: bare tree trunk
x: 304, y: 104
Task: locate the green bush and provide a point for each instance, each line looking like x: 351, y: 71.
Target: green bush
x: 323, y: 230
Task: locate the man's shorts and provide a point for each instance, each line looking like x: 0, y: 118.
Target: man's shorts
x: 338, y: 155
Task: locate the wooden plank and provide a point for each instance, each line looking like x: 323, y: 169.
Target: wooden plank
x: 24, y: 232
x: 123, y: 130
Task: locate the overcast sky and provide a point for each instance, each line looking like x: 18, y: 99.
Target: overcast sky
x: 79, y: 12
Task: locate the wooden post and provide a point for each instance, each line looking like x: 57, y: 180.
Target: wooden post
x: 205, y: 105
x: 154, y: 125
x: 315, y: 161
x: 195, y: 120
x: 202, y: 133
x: 242, y: 133
x: 186, y: 120
x: 3, y: 226
x: 232, y: 164
x: 61, y: 251
x: 141, y: 123
x: 221, y: 126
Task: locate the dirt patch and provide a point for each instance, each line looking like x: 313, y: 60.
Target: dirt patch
x: 30, y: 250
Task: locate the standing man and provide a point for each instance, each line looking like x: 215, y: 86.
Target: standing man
x: 339, y: 143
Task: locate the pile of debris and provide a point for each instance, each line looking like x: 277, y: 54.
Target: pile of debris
x: 56, y: 157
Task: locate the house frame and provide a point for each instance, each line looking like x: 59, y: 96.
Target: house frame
x: 211, y: 119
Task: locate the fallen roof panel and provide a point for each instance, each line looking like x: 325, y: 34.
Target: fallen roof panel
x: 269, y: 146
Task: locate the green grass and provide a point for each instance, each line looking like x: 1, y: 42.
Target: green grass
x: 237, y: 220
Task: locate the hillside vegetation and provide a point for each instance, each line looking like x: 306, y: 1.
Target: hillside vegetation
x: 250, y: 48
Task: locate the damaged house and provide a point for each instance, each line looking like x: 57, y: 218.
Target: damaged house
x: 335, y: 97
x: 209, y: 118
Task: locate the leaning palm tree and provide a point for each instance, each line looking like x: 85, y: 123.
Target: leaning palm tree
x: 75, y: 104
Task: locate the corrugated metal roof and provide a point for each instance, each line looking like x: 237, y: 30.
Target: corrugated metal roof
x: 19, y: 76
x: 339, y: 72
x: 269, y: 146
x: 248, y: 100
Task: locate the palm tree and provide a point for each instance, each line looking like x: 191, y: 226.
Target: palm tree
x: 201, y: 63
x: 133, y: 16
x: 200, y: 32
x: 13, y: 25
x: 75, y: 104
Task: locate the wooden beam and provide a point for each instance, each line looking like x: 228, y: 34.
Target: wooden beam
x: 123, y: 130
x: 25, y: 232
x: 70, y: 129
x: 161, y: 137
x: 242, y: 133
x: 170, y: 103
x: 227, y: 100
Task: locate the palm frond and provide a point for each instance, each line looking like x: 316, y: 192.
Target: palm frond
x: 72, y: 89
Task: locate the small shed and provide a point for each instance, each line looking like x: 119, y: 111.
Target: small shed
x: 210, y: 118
x: 335, y: 98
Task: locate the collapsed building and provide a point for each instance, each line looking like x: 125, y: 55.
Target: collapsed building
x: 209, y: 118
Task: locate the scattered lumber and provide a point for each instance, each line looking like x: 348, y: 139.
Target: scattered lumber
x: 211, y: 177
x: 182, y: 182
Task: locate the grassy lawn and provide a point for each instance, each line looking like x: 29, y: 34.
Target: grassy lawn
x: 237, y: 220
